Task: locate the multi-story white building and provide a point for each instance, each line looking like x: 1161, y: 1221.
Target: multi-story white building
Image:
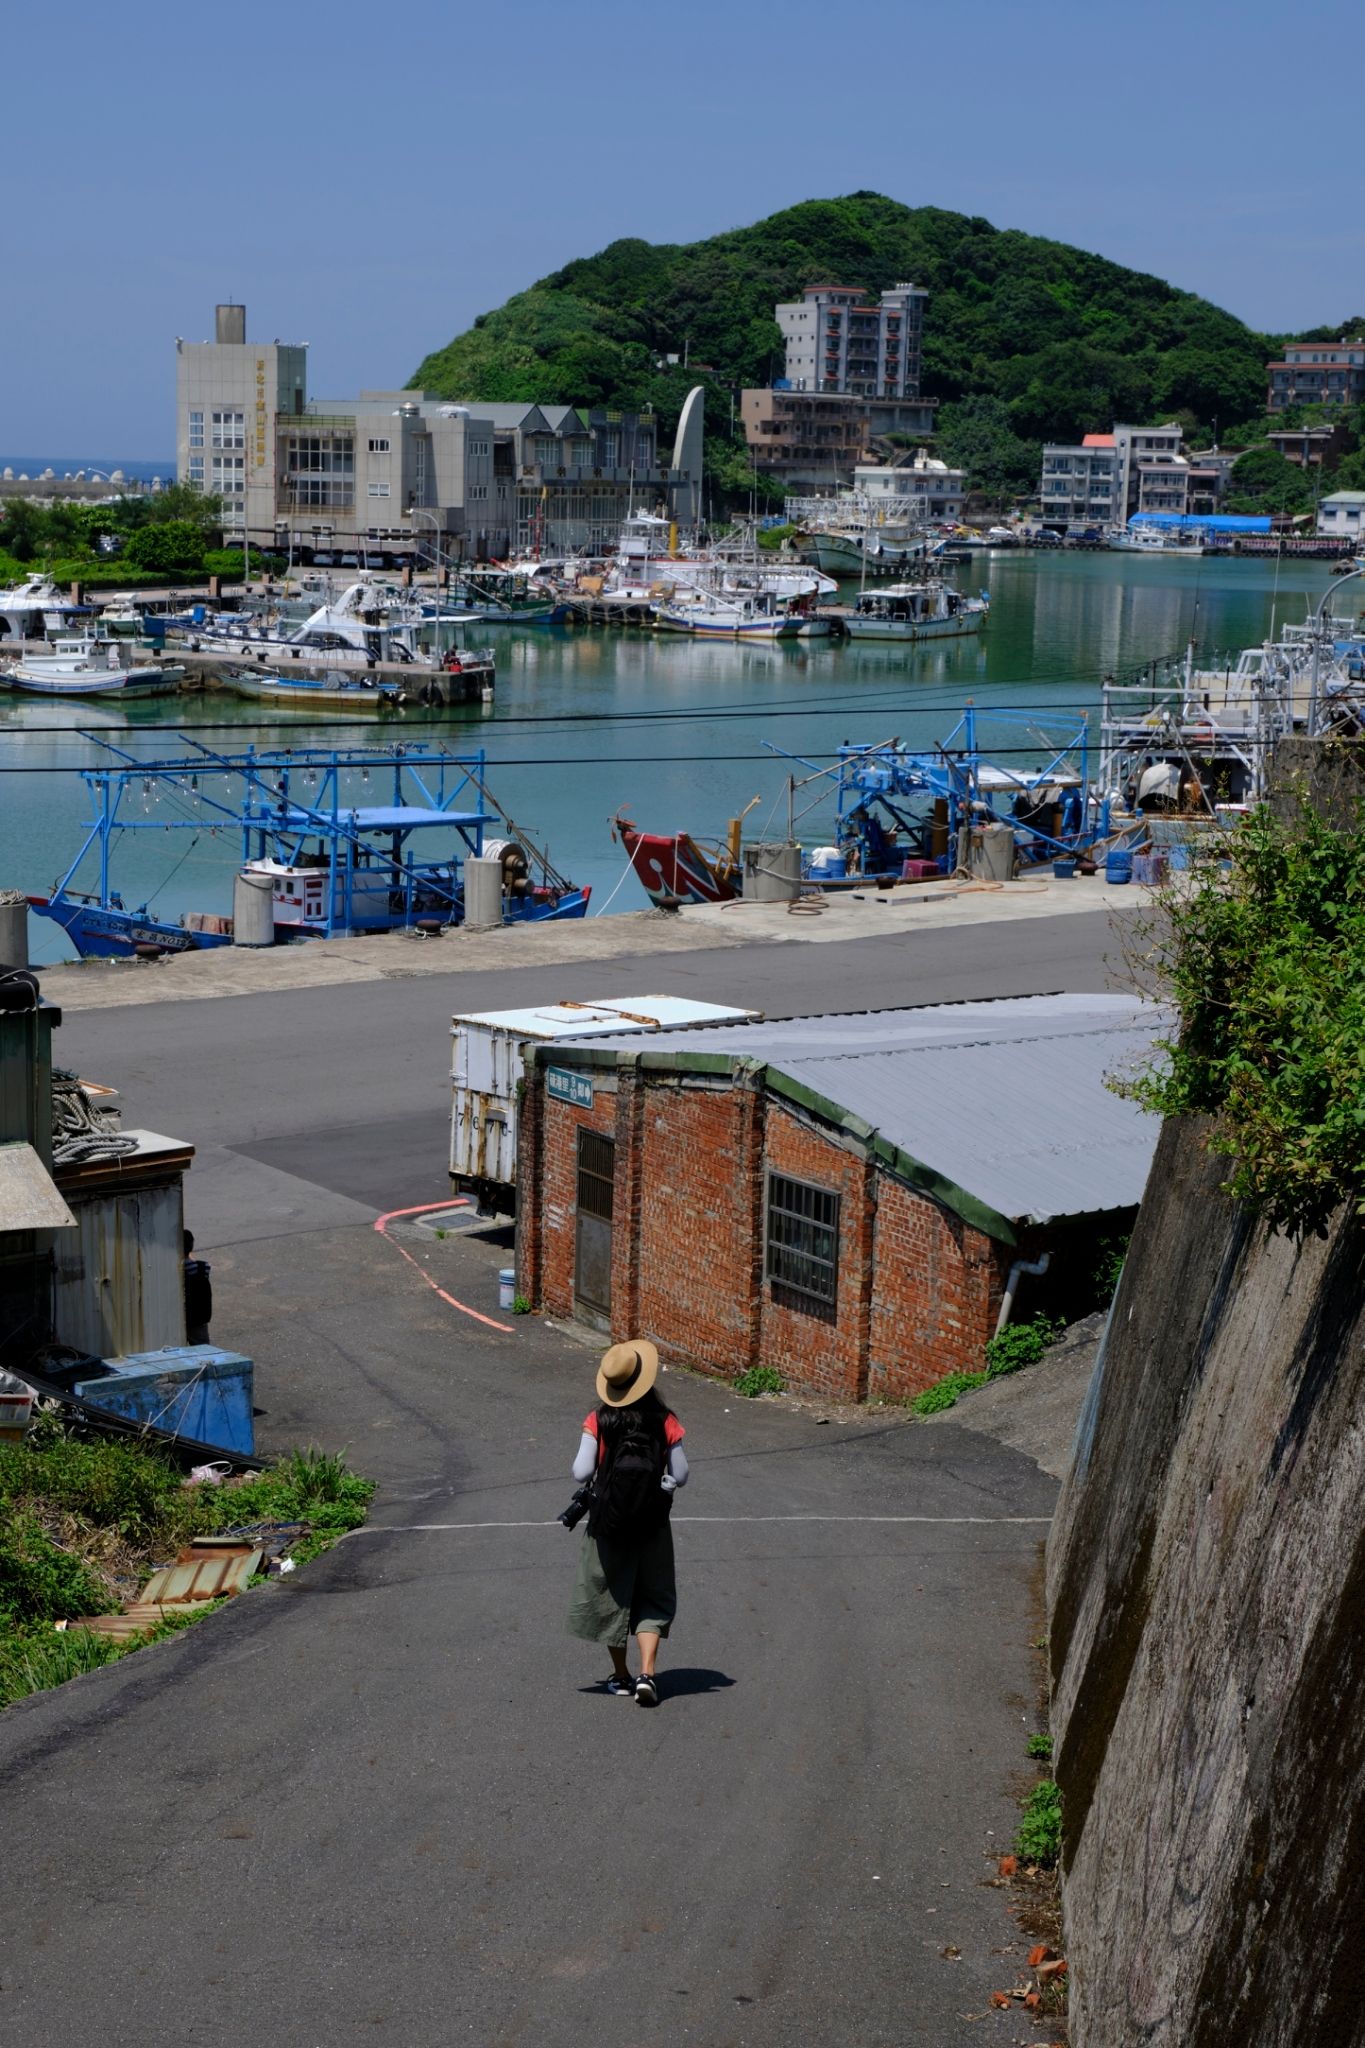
x: 838, y: 342
x: 405, y: 471
x: 1079, y: 482
x: 921, y: 491
x: 1152, y: 473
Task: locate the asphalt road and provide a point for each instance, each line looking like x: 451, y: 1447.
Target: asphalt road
x: 388, y: 1799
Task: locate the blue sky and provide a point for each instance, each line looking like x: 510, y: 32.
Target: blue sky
x: 368, y: 178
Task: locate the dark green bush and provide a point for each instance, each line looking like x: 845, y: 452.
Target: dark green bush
x: 1019, y: 1344
x: 39, y: 1581
x: 1039, y: 1839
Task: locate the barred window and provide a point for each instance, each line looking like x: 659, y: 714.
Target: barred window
x: 802, y: 1241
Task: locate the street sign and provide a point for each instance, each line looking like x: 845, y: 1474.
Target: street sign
x: 565, y: 1086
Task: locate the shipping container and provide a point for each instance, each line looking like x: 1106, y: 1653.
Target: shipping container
x: 486, y: 1070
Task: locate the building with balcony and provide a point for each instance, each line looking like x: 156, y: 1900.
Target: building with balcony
x: 1309, y: 447
x: 1078, y: 484
x: 1317, y: 373
x: 1142, y: 454
x: 813, y: 441
x: 919, y: 492
x: 399, y: 472
x: 837, y: 341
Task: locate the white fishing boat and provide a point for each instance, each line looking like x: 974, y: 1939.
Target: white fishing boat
x: 84, y: 667
x: 34, y: 607
x: 461, y: 679
x: 929, y: 610
x: 352, y: 633
x: 1156, y: 540
x: 713, y: 617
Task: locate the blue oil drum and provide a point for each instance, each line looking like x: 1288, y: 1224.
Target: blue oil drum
x: 1118, y: 865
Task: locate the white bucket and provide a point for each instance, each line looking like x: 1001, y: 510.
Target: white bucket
x: 507, y: 1286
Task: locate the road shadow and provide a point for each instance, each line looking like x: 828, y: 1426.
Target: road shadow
x: 686, y: 1680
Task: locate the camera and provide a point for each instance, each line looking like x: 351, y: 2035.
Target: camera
x: 578, y: 1506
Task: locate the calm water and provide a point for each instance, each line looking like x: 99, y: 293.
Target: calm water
x: 672, y: 729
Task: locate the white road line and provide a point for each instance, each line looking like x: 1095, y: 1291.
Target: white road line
x: 692, y: 1521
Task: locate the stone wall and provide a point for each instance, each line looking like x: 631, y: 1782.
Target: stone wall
x: 1206, y: 1592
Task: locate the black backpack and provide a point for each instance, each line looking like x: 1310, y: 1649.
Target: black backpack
x: 629, y: 1502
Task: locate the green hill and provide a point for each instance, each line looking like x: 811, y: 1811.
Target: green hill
x: 1045, y: 341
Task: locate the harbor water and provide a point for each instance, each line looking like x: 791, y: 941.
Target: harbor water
x: 675, y: 731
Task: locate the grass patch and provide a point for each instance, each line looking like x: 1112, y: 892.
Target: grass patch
x: 1039, y: 1839
x: 1039, y: 1747
x: 760, y: 1379
x: 83, y: 1524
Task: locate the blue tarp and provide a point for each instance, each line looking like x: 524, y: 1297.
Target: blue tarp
x: 1205, y: 522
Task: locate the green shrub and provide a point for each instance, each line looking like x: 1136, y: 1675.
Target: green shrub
x: 944, y: 1392
x: 35, y: 1659
x: 760, y: 1379
x: 114, y: 1485
x: 39, y: 1581
x: 1040, y: 1748
x: 1039, y: 1839
x: 1018, y: 1344
x: 1261, y: 959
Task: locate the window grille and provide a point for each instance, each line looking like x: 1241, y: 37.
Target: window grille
x: 801, y: 1251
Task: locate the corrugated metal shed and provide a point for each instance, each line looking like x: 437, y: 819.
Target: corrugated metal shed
x: 1004, y: 1100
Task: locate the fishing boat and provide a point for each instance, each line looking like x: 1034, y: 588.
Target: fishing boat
x: 1156, y: 540
x: 343, y: 841
x: 714, y: 617
x: 897, y: 814
x: 329, y: 690
x: 33, y: 607
x: 356, y: 631
x: 927, y: 610
x: 82, y: 666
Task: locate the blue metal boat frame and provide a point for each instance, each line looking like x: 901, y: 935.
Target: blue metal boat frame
x: 362, y: 842
x: 876, y: 785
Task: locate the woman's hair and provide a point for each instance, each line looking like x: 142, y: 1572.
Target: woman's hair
x: 645, y: 1416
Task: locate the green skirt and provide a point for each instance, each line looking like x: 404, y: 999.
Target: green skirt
x: 620, y: 1590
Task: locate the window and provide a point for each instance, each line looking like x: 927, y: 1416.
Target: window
x: 378, y: 490
x: 228, y: 475
x: 229, y: 430
x: 802, y: 1244
x: 477, y: 491
x: 197, y: 431
x: 317, y: 470
x: 380, y: 447
x: 196, y: 476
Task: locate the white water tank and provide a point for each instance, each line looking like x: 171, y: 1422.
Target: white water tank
x: 991, y: 856
x: 772, y: 872
x: 253, y: 909
x: 483, y: 877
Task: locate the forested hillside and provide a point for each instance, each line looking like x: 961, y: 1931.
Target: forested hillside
x: 1041, y: 341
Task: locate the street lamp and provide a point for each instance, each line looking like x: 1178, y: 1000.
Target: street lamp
x: 1313, y: 706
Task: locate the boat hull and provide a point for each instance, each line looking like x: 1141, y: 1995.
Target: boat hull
x: 94, y: 683
x: 918, y: 629
x: 713, y: 628
x: 672, y: 868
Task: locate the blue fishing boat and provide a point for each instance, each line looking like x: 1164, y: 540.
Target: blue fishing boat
x: 333, y: 860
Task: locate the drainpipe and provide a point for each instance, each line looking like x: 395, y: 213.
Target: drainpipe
x: 1019, y: 1267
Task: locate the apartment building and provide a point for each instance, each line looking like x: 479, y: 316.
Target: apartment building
x: 920, y: 491
x: 838, y: 341
x: 1150, y: 470
x: 396, y: 472
x: 814, y: 440
x: 1078, y: 484
x: 1317, y: 373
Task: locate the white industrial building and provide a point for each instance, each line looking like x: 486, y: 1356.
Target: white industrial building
x: 923, y: 490
x: 408, y: 472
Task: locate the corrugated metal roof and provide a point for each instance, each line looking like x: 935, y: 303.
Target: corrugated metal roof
x: 602, y: 1013
x: 1005, y: 1100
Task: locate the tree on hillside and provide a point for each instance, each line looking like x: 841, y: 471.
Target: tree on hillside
x: 1263, y: 480
x: 977, y: 434
x: 24, y: 529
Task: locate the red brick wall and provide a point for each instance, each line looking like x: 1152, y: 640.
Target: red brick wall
x: 936, y: 1293
x: 820, y: 1352
x: 696, y: 1263
x: 919, y: 1289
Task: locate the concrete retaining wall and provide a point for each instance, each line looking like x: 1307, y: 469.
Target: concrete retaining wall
x: 1206, y: 1590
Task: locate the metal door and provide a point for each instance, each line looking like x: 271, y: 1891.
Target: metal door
x: 592, y: 1247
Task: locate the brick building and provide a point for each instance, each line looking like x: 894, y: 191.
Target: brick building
x: 843, y: 1198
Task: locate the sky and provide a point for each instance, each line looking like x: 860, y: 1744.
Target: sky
x: 368, y: 178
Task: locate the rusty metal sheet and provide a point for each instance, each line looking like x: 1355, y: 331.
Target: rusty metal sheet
x: 204, y: 1578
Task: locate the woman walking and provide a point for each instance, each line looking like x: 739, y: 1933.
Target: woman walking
x: 632, y: 1451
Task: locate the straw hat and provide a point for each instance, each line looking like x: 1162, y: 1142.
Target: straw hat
x: 627, y: 1372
